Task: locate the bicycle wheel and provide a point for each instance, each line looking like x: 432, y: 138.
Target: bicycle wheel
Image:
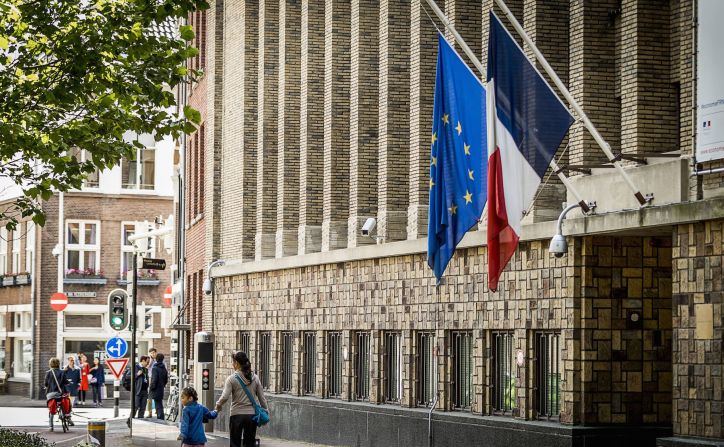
x: 64, y: 421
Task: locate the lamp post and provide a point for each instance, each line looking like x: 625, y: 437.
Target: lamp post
x: 209, y: 289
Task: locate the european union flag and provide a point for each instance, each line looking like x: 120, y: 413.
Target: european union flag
x: 459, y: 158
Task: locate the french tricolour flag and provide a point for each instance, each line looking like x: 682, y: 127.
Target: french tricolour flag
x: 526, y: 124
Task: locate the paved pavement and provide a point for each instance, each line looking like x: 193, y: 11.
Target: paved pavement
x: 29, y: 415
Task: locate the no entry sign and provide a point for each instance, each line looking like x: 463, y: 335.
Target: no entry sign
x: 58, y: 301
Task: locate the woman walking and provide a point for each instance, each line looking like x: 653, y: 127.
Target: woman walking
x: 84, y: 377
x: 72, y: 374
x: 242, y: 410
x: 97, y: 381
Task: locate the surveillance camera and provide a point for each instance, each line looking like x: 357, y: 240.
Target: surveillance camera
x: 369, y: 226
x: 57, y: 250
x: 207, y: 286
x: 559, y: 246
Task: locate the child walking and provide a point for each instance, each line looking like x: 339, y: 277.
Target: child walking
x: 192, y: 419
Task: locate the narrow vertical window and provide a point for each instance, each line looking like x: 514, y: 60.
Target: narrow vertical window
x: 242, y: 341
x: 548, y: 377
x: 16, y: 250
x: 264, y: 358
x: 503, y: 395
x: 309, y: 353
x: 425, y: 369
x: 393, y: 367
x: 29, y: 245
x: 362, y: 366
x: 462, y: 373
x: 3, y: 250
x: 287, y: 356
x: 334, y: 357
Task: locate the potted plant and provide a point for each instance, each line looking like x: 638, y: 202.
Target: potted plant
x: 8, y: 280
x: 84, y: 276
x: 22, y: 278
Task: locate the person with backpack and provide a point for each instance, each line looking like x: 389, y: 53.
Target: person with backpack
x: 141, y: 379
x: 159, y: 379
x: 242, y: 386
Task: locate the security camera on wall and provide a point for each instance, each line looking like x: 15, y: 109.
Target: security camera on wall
x: 368, y: 226
x: 559, y: 246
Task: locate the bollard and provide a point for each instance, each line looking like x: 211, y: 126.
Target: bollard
x: 97, y: 431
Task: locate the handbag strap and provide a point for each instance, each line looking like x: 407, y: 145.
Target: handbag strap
x: 246, y: 390
x: 52, y: 373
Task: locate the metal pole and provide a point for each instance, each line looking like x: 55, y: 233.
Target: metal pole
x: 116, y: 397
x: 476, y: 62
x: 579, y: 110
x: 133, y: 341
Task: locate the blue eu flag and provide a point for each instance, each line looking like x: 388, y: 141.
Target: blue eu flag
x: 458, y: 161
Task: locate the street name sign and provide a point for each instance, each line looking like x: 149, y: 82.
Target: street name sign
x: 116, y: 347
x: 117, y: 366
x: 58, y: 301
x: 153, y: 263
x: 81, y: 294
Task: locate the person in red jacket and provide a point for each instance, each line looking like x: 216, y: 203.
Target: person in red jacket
x: 84, y: 376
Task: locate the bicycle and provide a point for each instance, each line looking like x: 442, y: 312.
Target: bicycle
x: 63, y: 417
x: 172, y: 402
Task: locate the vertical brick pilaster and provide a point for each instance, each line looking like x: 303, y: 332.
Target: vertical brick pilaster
x: 266, y: 186
x: 423, y: 42
x: 311, y: 132
x: 248, y: 150
x: 336, y: 124
x: 394, y: 124
x: 649, y: 120
x: 364, y: 89
x: 288, y: 127
x: 592, y: 68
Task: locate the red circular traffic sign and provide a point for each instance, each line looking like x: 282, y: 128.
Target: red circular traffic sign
x: 58, y: 301
x: 167, y: 295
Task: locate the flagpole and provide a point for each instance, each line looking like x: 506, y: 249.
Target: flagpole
x: 579, y: 110
x: 476, y: 62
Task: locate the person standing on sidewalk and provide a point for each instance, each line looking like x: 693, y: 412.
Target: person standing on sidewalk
x: 159, y: 379
x: 72, y: 374
x: 152, y: 353
x: 84, y: 378
x: 242, y: 410
x: 141, y: 385
x: 97, y: 381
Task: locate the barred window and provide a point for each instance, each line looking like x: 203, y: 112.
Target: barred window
x: 309, y: 371
x: 362, y: 366
x: 287, y: 354
x: 264, y: 358
x: 393, y: 367
x: 504, y: 393
x: 462, y: 374
x: 242, y: 341
x: 548, y: 377
x: 334, y: 377
x: 425, y: 368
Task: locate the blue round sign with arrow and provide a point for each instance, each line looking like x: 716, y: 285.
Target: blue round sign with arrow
x: 116, y: 347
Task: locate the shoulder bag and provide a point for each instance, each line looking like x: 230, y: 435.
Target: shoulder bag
x: 54, y: 394
x: 262, y: 416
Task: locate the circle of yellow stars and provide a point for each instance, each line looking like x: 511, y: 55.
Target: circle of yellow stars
x: 466, y: 149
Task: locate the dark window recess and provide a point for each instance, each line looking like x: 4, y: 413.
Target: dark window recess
x: 264, y: 358
x: 242, y: 341
x: 334, y: 357
x: 392, y: 363
x: 425, y: 369
x: 362, y: 366
x: 462, y: 374
x: 548, y: 377
x: 287, y: 355
x: 309, y: 370
x: 504, y: 394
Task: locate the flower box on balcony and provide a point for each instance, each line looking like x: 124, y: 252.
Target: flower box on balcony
x: 140, y: 282
x: 8, y: 281
x: 80, y: 279
x: 22, y: 279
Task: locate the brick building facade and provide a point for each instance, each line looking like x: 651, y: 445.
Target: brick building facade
x: 618, y: 342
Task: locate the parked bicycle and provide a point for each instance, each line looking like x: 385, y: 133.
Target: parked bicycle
x: 173, y: 400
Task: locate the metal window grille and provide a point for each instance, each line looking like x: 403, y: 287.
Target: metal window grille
x: 504, y: 373
x: 548, y: 380
x: 425, y: 368
x: 242, y: 341
x: 309, y: 371
x: 362, y: 366
x: 264, y: 358
x: 462, y: 381
x: 334, y: 357
x: 287, y: 356
x: 392, y: 364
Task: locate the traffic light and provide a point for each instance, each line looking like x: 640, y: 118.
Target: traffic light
x: 205, y: 379
x: 118, y: 309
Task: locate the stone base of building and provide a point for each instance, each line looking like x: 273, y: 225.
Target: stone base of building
x: 689, y: 442
x: 341, y: 423
x: 17, y: 388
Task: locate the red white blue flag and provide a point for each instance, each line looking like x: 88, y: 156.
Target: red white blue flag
x: 526, y: 124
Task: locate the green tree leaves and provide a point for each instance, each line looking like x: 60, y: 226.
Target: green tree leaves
x: 79, y: 75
